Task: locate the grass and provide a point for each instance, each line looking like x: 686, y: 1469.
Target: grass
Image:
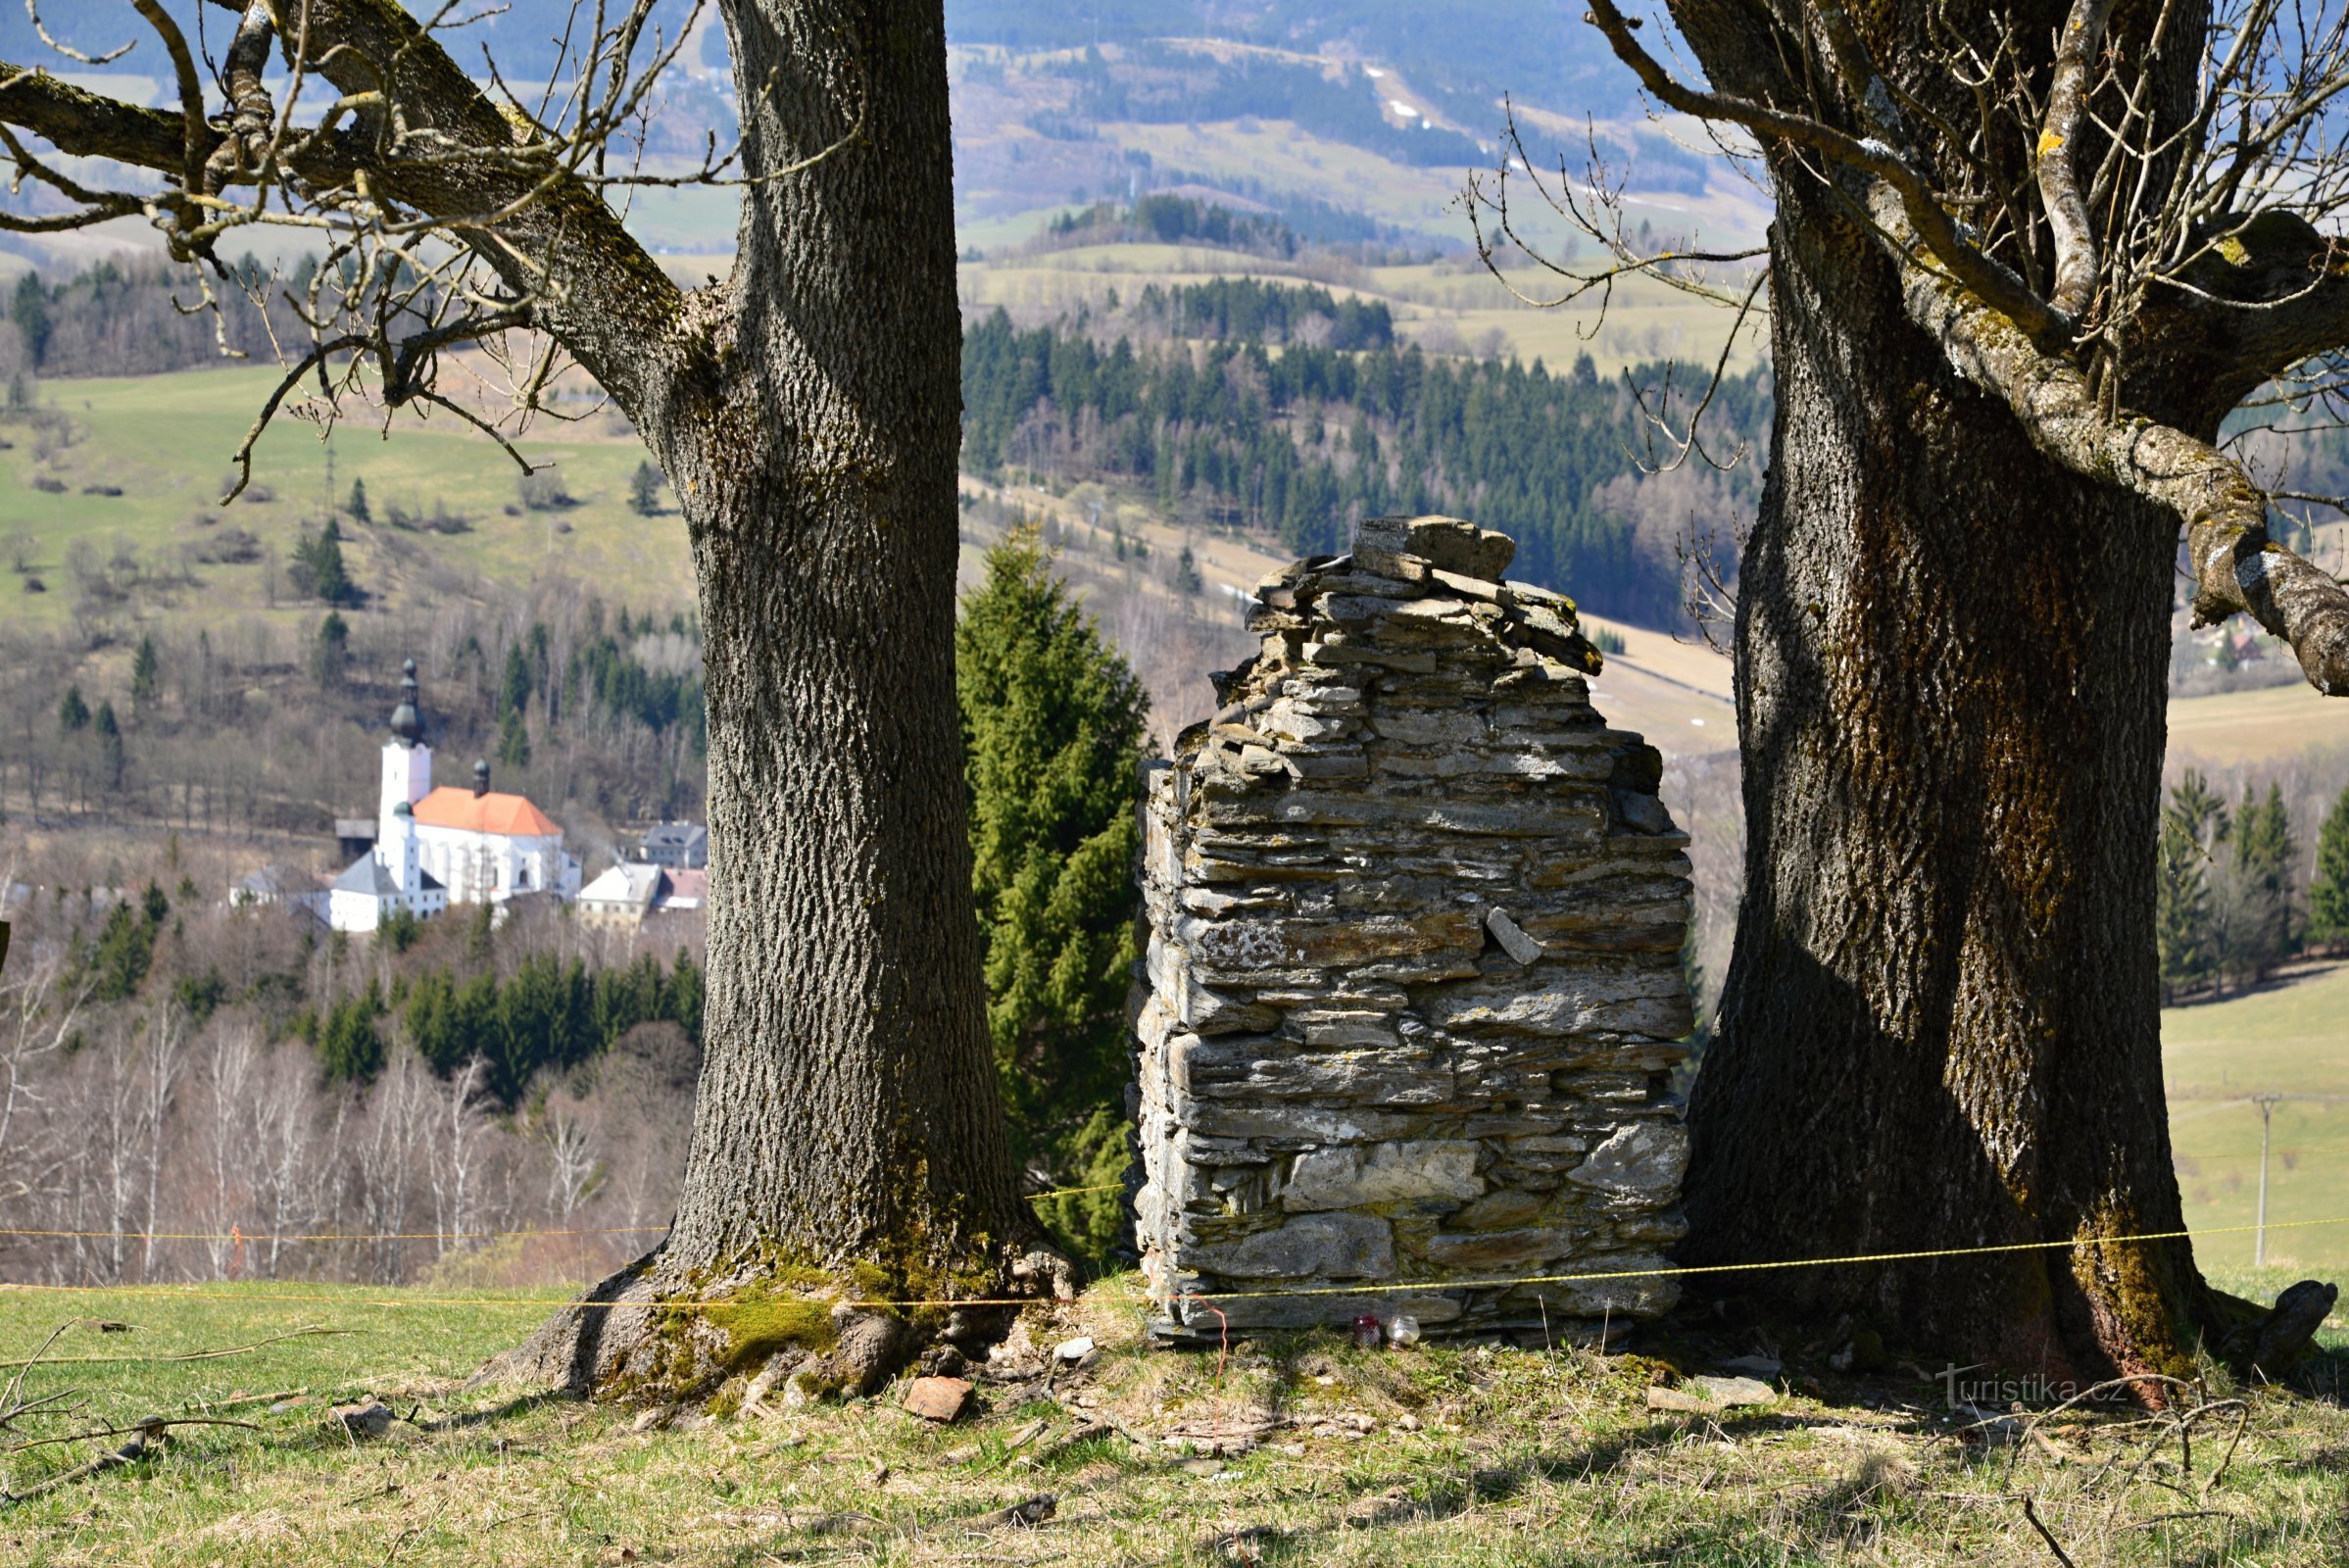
x: 2290, y: 1037
x: 1456, y: 1454
x: 1645, y: 319
x: 165, y: 442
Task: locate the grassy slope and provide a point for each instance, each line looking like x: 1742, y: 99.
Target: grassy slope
x: 165, y: 440
x: 2290, y: 1038
x: 1479, y: 1455
x: 1645, y: 321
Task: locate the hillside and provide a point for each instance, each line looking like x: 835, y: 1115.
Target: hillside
x: 2283, y: 1038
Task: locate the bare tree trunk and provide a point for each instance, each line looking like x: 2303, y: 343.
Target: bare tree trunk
x: 847, y: 1110
x: 1940, y: 1026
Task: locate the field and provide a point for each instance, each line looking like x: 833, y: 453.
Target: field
x: 2289, y: 1038
x: 1299, y: 1449
x: 1446, y: 306
x: 163, y: 442
x: 2273, y: 724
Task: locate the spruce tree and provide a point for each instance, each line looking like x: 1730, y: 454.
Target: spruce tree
x: 73, y: 713
x: 318, y: 569
x: 513, y: 686
x: 2264, y: 852
x: 644, y: 490
x: 110, y: 745
x: 358, y: 508
x: 331, y: 652
x: 2194, y: 819
x: 513, y: 740
x: 146, y: 677
x: 1053, y: 725
x: 2328, y: 892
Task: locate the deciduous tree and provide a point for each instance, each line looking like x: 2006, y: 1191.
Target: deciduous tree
x: 2025, y: 261
x: 804, y: 408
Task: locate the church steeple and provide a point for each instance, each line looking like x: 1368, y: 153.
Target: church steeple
x: 407, y: 723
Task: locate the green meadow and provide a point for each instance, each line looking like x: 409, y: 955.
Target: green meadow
x: 165, y: 442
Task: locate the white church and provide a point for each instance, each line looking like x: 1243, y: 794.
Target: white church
x: 438, y: 847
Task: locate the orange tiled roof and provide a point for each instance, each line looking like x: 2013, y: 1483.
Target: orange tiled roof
x: 510, y: 814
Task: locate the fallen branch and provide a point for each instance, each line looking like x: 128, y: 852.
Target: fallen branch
x: 154, y: 1426
x: 161, y: 1360
x: 2032, y: 1513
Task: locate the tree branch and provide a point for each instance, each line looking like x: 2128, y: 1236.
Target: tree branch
x: 88, y: 125
x: 2236, y: 566
x: 427, y: 141
x: 1988, y: 279
x: 2058, y: 150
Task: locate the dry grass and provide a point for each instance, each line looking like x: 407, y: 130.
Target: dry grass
x: 1443, y: 1454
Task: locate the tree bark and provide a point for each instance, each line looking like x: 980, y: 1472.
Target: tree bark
x: 848, y: 1112
x: 1940, y: 1026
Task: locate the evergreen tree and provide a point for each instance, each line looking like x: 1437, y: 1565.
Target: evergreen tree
x: 146, y: 677
x: 349, y: 1048
x: 513, y: 740
x: 644, y: 490
x: 2194, y: 819
x: 513, y: 687
x: 1186, y: 579
x: 117, y: 964
x: 111, y: 757
x: 28, y: 308
x: 358, y: 508
x: 331, y: 654
x: 2264, y: 852
x: 318, y: 569
x: 2328, y: 893
x: 1053, y: 735
x: 73, y: 713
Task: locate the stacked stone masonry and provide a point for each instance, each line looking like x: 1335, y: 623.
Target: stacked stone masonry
x: 1413, y: 982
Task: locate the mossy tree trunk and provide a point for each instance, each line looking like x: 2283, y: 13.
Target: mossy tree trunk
x: 1940, y: 1026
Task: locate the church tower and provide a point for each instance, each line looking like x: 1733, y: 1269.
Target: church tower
x: 407, y: 763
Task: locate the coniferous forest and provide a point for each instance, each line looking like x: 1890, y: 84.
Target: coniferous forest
x: 1300, y: 439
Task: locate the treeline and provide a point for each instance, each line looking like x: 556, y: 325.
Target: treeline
x: 1274, y: 313
x: 1302, y: 444
x: 140, y: 318
x: 1170, y: 219
x: 545, y: 1015
x: 2229, y: 901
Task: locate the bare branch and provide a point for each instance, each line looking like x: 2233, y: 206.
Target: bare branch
x: 2235, y: 564
x: 2058, y: 148
x: 1988, y: 279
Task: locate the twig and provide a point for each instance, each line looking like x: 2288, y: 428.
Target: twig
x: 189, y: 1355
x: 2171, y: 1518
x: 153, y: 1425
x: 2033, y: 1514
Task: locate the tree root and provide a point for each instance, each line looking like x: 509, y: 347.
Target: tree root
x: 2265, y: 1341
x: 655, y: 1333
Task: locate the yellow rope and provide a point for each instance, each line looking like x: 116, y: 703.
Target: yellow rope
x: 1366, y: 1288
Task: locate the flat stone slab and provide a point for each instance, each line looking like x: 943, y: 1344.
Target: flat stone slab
x: 940, y: 1400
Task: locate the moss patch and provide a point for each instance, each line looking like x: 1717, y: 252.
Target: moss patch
x: 758, y: 1323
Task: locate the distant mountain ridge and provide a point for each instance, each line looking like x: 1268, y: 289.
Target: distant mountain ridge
x: 1482, y: 47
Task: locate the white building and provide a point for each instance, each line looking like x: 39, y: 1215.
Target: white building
x: 438, y: 847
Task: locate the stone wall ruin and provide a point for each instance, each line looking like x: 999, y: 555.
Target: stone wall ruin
x: 1413, y: 975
